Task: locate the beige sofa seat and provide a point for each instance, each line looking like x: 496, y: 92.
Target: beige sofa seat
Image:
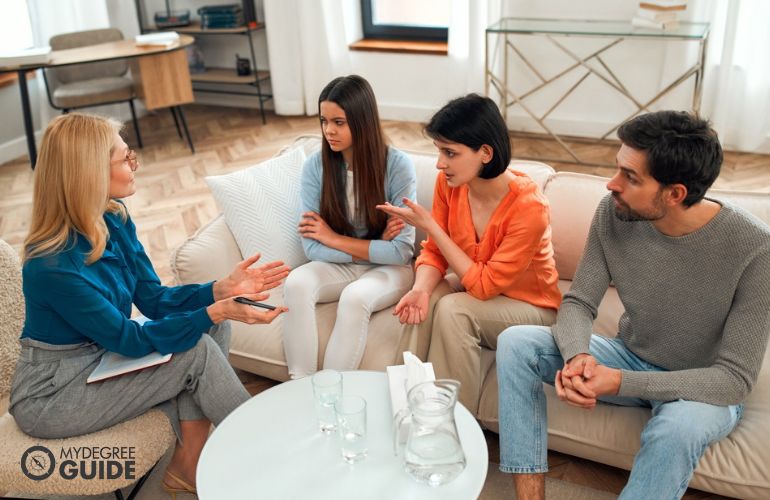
x: 738, y: 465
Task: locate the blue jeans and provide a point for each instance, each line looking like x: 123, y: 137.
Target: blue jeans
x: 672, y: 442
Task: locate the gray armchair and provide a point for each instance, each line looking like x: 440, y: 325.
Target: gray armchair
x: 90, y: 84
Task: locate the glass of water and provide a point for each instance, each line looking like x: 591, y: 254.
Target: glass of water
x: 327, y: 389
x: 351, y: 427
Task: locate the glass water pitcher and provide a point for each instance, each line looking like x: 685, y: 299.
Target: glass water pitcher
x: 433, y: 453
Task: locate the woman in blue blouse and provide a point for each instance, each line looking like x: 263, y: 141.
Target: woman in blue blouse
x: 83, y: 269
x: 359, y: 256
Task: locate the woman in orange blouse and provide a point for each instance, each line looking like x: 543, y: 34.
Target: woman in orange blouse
x: 490, y: 224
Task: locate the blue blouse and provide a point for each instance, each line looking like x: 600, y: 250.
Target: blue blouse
x: 69, y: 302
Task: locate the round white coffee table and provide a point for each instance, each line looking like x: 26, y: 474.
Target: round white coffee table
x: 270, y: 447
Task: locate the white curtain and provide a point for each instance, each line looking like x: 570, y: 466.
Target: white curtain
x: 307, y: 47
x: 737, y: 80
x: 305, y: 58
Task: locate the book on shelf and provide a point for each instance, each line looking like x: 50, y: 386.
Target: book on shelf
x: 663, y: 5
x: 113, y: 364
x: 658, y: 16
x: 641, y: 22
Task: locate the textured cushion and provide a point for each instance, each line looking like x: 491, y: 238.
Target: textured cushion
x: 150, y: 435
x: 89, y: 92
x: 261, y: 207
x: 11, y: 315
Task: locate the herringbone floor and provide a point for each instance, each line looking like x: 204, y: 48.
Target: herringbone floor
x: 172, y: 200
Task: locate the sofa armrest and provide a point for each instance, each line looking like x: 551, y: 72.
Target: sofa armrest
x: 210, y: 254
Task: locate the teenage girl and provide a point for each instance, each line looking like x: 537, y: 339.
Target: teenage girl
x: 358, y: 255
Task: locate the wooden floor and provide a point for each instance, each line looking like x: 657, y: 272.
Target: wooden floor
x: 172, y: 201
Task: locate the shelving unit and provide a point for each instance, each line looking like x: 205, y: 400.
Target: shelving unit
x: 257, y: 80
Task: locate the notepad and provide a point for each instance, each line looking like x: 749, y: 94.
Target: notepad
x: 113, y: 364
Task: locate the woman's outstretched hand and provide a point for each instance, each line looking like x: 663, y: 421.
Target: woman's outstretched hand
x: 413, y: 213
x: 230, y: 309
x: 314, y: 227
x: 394, y: 226
x: 246, y: 279
x: 412, y: 309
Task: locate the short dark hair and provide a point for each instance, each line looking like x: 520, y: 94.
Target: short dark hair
x: 681, y: 148
x: 474, y: 120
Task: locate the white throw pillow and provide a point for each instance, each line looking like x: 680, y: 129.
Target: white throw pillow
x: 261, y: 205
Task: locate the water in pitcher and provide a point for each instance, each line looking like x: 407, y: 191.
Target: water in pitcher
x: 434, y: 458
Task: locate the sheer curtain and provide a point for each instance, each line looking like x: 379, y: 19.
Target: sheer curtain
x: 737, y: 80
x: 307, y: 47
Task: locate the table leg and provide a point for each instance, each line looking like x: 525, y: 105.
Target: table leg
x: 29, y: 128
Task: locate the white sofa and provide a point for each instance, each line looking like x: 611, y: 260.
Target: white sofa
x: 739, y: 465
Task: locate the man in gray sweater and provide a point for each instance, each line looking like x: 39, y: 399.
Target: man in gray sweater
x: 694, y: 277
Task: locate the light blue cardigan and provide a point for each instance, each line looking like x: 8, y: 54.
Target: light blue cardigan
x: 400, y: 182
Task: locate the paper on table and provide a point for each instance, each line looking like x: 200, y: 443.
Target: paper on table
x: 163, y: 38
x: 401, y: 378
x: 113, y: 364
x: 22, y: 57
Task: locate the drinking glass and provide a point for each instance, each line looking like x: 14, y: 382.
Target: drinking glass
x: 327, y: 388
x: 351, y: 427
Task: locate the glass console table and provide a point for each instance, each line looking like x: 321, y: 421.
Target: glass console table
x: 507, y: 30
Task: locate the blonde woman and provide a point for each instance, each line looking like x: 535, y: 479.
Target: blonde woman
x: 83, y: 269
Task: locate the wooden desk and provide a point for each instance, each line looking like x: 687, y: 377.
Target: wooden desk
x: 161, y: 75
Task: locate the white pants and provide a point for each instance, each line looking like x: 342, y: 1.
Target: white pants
x: 361, y: 290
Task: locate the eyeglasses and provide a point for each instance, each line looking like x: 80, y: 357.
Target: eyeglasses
x: 131, y: 159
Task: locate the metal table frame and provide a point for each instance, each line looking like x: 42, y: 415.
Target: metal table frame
x: 616, y: 32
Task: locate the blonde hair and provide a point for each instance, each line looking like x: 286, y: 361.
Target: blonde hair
x: 72, y: 185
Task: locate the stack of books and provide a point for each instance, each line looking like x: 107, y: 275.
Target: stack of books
x: 658, y: 14
x: 221, y: 16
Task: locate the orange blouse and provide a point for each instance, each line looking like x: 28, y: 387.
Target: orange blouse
x: 514, y: 256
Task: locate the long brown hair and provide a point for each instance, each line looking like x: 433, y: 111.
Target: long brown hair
x: 72, y: 185
x: 370, y: 151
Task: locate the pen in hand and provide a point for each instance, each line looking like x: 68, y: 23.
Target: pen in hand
x: 244, y: 300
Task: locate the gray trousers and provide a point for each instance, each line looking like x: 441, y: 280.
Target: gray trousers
x: 50, y: 397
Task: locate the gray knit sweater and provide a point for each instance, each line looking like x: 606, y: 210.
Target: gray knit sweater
x: 697, y: 305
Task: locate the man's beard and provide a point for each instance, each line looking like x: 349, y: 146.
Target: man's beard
x: 627, y: 214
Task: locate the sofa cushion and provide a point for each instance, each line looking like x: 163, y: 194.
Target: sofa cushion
x: 573, y: 198
x: 261, y: 206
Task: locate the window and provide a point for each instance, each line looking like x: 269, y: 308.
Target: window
x: 406, y: 19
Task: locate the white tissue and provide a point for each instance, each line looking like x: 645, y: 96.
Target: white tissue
x: 401, y: 378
